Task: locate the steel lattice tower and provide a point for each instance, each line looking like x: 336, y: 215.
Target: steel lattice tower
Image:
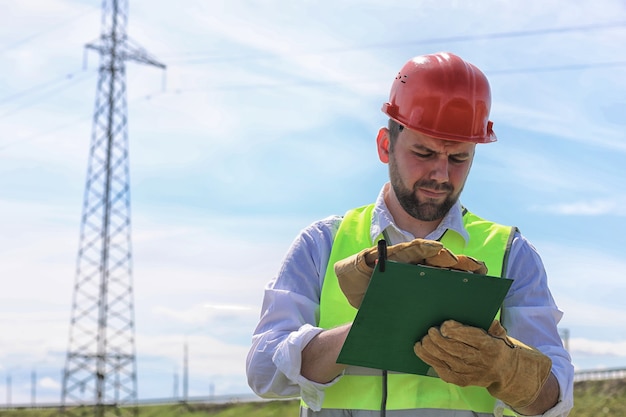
x: 100, y: 369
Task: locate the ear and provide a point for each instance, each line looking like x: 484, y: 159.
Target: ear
x: 382, y: 144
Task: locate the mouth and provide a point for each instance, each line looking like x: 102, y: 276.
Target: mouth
x: 433, y: 194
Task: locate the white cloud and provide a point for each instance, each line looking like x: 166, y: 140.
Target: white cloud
x: 614, y: 207
x: 227, y: 307
x: 49, y: 383
x: 582, y: 346
x: 581, y: 313
x: 200, y: 314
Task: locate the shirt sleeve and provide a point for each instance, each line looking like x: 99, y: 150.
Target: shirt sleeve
x: 289, y: 317
x: 530, y: 314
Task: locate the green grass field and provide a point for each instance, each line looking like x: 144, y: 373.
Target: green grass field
x: 591, y: 398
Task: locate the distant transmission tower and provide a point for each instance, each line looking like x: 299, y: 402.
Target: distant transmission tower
x: 100, y: 369
x: 564, y: 333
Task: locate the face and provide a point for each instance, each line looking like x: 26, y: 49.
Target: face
x: 427, y: 174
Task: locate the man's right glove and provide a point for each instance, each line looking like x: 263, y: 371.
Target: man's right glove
x: 354, y: 272
x: 466, y: 355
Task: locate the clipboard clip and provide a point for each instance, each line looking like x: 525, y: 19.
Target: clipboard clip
x: 382, y: 254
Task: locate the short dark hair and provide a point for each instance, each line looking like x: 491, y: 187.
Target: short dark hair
x: 394, y: 130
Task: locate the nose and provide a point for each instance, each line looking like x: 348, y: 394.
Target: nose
x: 439, y: 169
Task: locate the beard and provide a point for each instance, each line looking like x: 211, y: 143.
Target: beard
x: 421, y: 209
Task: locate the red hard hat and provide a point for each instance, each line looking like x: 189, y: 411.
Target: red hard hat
x: 442, y: 95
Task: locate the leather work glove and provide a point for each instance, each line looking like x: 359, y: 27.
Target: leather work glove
x: 466, y: 355
x: 354, y: 272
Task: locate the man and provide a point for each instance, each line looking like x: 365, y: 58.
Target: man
x: 439, y: 110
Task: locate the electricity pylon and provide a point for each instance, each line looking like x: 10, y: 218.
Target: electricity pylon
x: 100, y: 369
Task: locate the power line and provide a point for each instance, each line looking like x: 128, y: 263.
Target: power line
x: 38, y: 87
x: 76, y: 77
x: 63, y: 126
x: 318, y: 83
x: 520, y: 33
x: 557, y: 68
x: 43, y: 91
x: 463, y: 38
x: 44, y: 32
x: 304, y: 84
x: 199, y: 58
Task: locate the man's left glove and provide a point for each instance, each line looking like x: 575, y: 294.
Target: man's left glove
x: 354, y: 272
x: 466, y: 355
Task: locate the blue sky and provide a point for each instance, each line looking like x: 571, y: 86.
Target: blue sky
x: 264, y: 121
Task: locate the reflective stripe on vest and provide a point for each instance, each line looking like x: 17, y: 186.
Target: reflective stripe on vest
x: 488, y: 242
x: 423, y: 412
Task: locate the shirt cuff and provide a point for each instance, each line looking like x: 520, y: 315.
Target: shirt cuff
x: 288, y: 360
x: 561, y: 409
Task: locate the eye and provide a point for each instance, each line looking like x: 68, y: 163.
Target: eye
x: 423, y: 155
x: 458, y: 159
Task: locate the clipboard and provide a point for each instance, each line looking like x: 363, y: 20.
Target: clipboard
x: 403, y: 301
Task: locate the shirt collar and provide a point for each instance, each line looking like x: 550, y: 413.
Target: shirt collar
x: 382, y: 221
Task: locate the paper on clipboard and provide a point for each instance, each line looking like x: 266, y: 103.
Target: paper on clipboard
x: 404, y: 301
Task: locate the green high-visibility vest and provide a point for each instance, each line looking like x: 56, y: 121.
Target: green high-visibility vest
x: 488, y: 241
